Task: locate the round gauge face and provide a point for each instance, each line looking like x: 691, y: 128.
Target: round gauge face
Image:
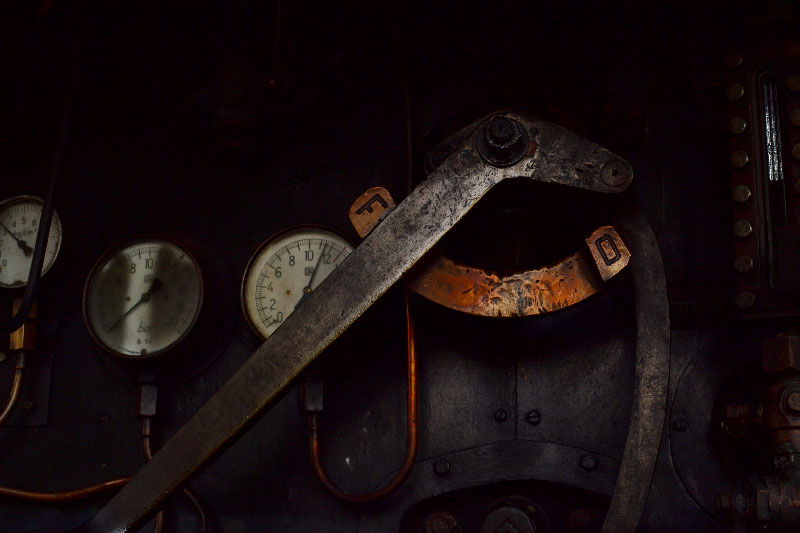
x: 19, y: 225
x: 284, y: 270
x: 143, y: 297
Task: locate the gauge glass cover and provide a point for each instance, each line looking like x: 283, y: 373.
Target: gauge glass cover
x: 143, y: 297
x: 284, y: 269
x: 19, y: 225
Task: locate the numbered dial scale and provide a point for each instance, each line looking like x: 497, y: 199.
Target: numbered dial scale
x: 19, y: 225
x: 142, y: 297
x: 285, y: 269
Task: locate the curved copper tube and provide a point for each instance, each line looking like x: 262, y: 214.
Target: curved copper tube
x: 63, y: 496
x: 411, y: 446
x: 19, y: 369
x: 158, y: 526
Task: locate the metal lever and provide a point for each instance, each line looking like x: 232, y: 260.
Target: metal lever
x: 551, y: 154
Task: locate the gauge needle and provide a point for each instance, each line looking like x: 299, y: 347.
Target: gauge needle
x: 307, y: 289
x: 27, y: 250
x: 144, y: 299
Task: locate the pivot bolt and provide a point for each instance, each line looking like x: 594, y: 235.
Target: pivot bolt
x: 534, y: 417
x: 500, y: 415
x: 588, y: 462
x: 503, y: 142
x: 616, y: 173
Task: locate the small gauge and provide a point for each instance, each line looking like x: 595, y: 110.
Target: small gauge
x: 19, y: 225
x: 285, y: 269
x: 142, y: 297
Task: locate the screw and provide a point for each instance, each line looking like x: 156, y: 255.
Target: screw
x: 588, y: 462
x: 616, y: 173
x: 534, y: 417
x: 742, y: 229
x: 680, y: 424
x: 743, y: 264
x: 745, y: 300
x: 737, y: 125
x: 500, y: 415
x: 735, y: 91
x: 27, y: 405
x: 739, y: 159
x: 441, y: 467
x: 741, y: 193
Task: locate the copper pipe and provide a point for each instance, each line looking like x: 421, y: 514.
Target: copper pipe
x: 19, y: 369
x: 158, y: 525
x: 51, y: 497
x: 412, y: 439
x: 202, y: 522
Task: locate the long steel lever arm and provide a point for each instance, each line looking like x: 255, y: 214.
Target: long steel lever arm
x: 553, y: 155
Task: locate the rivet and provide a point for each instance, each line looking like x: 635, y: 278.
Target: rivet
x: 733, y: 59
x: 27, y: 405
x: 500, y: 415
x: 743, y: 264
x: 793, y: 83
x: 741, y: 193
x: 794, y: 117
x: 739, y: 159
x: 680, y: 424
x: 737, y: 125
x: 735, y: 91
x: 588, y: 462
x: 792, y: 50
x: 441, y: 467
x: 742, y: 228
x: 796, y: 150
x: 745, y: 300
x: 534, y: 417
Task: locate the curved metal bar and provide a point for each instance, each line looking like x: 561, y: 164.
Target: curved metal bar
x: 651, y: 379
x: 16, y: 385
x: 411, y: 442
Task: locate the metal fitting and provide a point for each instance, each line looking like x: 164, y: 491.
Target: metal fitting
x: 503, y: 142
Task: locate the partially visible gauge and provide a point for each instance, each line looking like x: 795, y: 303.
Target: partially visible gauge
x: 19, y: 225
x: 285, y: 269
x: 142, y: 297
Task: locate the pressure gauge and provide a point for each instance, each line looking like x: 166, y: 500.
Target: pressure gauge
x: 19, y: 225
x: 142, y: 297
x: 285, y: 269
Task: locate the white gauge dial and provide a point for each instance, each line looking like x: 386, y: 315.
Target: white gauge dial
x: 143, y: 297
x: 19, y: 225
x: 284, y: 270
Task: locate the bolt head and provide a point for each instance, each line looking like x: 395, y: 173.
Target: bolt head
x: 680, y: 424
x: 741, y: 193
x: 735, y: 91
x: 737, y: 125
x: 500, y: 415
x: 500, y: 131
x: 745, y: 300
x: 503, y: 142
x: 534, y: 417
x: 793, y: 83
x: 743, y: 264
x: 588, y: 462
x: 742, y: 228
x: 441, y: 467
x: 739, y: 159
x: 733, y: 59
x: 440, y: 523
x: 27, y: 405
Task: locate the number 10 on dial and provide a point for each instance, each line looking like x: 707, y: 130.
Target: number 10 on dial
x: 285, y: 269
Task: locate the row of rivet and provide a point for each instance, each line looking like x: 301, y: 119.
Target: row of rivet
x: 741, y: 194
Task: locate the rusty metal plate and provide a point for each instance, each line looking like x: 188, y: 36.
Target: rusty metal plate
x: 532, y: 292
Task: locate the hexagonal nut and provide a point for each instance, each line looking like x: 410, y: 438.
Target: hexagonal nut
x: 781, y: 354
